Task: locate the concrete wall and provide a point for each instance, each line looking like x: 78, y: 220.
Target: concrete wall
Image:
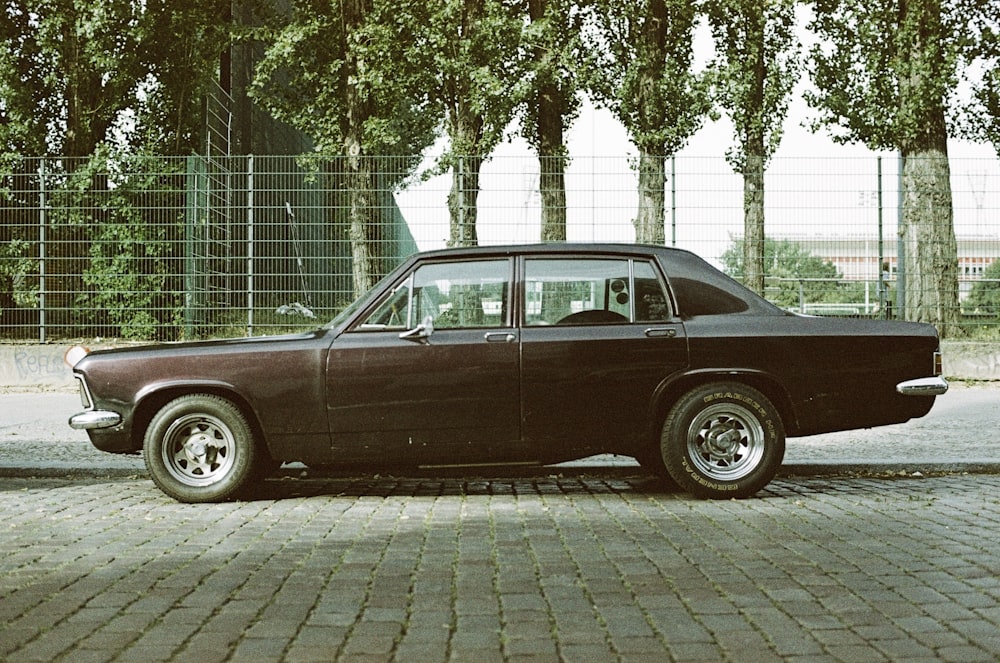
x: 42, y: 366
x: 34, y: 366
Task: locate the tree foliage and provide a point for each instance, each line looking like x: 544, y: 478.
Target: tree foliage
x: 75, y: 73
x: 552, y: 101
x: 337, y: 70
x: 755, y: 69
x: 886, y: 76
x: 640, y: 68
x: 982, y: 118
x: 985, y: 296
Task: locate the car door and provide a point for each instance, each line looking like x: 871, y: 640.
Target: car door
x: 598, y: 337
x: 431, y: 374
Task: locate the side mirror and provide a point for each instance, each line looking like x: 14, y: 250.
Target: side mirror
x: 421, y: 333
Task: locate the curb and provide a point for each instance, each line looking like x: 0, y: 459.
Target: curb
x: 846, y: 468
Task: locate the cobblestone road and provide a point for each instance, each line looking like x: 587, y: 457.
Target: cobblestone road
x: 583, y: 568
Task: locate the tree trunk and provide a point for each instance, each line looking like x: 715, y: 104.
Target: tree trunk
x: 552, y: 186
x: 753, y: 224
x: 928, y: 235
x: 928, y: 230
x: 754, y: 157
x: 364, y: 230
x: 649, y: 219
x: 550, y: 106
x: 466, y: 129
x: 462, y: 200
x: 364, y: 222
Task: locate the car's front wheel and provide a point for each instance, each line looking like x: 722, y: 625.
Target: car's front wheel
x: 723, y: 440
x: 200, y: 448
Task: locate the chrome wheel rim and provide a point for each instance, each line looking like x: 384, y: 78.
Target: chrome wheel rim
x: 726, y: 442
x: 198, y: 450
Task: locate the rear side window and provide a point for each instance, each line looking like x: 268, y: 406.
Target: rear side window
x: 696, y: 298
x: 592, y: 291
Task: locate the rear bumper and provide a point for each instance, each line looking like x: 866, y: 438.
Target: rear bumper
x: 923, y: 387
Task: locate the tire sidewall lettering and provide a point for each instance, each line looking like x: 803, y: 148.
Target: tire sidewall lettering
x: 685, y: 469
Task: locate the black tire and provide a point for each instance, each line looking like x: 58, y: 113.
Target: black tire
x: 201, y: 448
x: 723, y: 440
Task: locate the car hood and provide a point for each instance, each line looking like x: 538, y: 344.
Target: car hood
x: 184, y: 347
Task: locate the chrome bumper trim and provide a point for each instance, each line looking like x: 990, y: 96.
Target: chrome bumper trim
x: 923, y: 387
x: 94, y: 419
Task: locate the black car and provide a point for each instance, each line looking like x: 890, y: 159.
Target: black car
x: 499, y: 355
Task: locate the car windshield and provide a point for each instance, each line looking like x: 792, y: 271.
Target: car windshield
x: 351, y: 308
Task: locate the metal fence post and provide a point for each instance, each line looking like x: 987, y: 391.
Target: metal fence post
x: 900, y: 248
x: 882, y: 295
x: 673, y: 200
x: 190, y: 227
x: 41, y: 251
x: 250, y: 257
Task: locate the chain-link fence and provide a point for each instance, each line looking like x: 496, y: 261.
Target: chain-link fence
x: 189, y: 247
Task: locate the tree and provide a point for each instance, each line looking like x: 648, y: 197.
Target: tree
x: 640, y: 68
x: 336, y: 71
x: 183, y: 47
x: 473, y: 50
x: 756, y: 69
x: 552, y: 102
x: 70, y: 68
x: 983, y: 113
x: 75, y: 74
x: 885, y: 75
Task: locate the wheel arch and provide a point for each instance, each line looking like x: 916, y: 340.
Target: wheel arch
x: 153, y: 399
x: 670, y: 391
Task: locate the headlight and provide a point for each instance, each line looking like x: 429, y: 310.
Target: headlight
x: 75, y: 354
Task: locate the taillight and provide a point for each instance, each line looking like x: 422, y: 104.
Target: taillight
x: 938, y: 364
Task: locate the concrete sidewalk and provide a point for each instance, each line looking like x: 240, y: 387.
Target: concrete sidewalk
x: 957, y: 436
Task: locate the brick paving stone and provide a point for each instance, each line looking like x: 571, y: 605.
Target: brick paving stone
x: 541, y: 568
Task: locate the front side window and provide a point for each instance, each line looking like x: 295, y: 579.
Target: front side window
x: 561, y: 291
x: 456, y: 295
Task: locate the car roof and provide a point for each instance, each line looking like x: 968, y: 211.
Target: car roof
x: 552, y: 247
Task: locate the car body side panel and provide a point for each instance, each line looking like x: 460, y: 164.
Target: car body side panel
x: 591, y: 389
x: 836, y: 374
x: 399, y: 401
x: 284, y: 394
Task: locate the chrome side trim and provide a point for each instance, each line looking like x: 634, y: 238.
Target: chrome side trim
x: 85, y: 398
x: 94, y: 419
x: 923, y: 387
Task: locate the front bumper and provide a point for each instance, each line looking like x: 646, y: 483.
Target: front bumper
x: 92, y: 419
x: 923, y: 387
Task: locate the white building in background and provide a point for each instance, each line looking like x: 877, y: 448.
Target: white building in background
x: 856, y: 258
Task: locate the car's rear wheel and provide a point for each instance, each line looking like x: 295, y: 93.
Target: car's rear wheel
x: 200, y: 448
x: 723, y: 440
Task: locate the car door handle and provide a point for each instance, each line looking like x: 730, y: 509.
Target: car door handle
x: 500, y: 337
x: 658, y: 332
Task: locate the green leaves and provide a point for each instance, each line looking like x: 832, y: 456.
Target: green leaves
x: 754, y: 71
x: 640, y: 68
x: 884, y: 74
x: 77, y: 73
